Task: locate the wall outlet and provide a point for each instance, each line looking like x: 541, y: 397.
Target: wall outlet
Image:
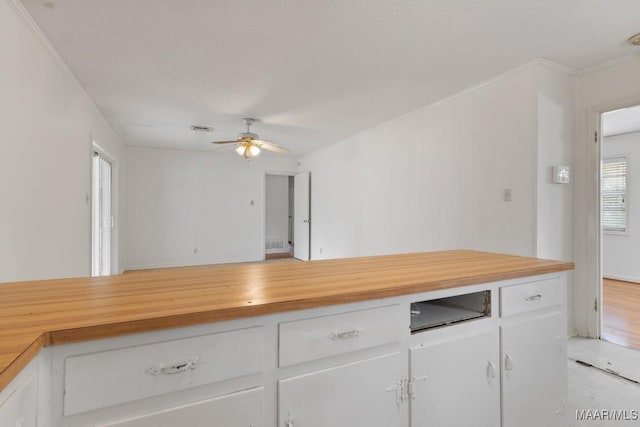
x: 506, y: 195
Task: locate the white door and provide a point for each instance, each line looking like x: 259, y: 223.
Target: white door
x: 301, y: 216
x: 102, y: 217
x: 456, y: 383
x: 242, y: 409
x: 360, y: 394
x: 534, y: 370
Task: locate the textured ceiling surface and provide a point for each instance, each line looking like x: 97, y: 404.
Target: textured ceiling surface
x: 314, y: 72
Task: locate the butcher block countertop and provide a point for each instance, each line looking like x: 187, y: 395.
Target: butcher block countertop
x: 49, y: 312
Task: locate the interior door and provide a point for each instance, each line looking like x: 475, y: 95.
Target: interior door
x: 301, y: 216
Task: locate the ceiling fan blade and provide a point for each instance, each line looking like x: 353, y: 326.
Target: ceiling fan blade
x: 271, y: 146
x: 226, y: 142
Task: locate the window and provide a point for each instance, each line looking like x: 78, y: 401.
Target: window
x: 614, y: 194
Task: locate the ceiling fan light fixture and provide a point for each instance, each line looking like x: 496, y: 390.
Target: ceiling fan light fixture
x: 249, y: 144
x: 241, y: 149
x: 247, y: 150
x: 254, y: 150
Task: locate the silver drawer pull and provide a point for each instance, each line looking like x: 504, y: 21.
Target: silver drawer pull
x: 344, y: 335
x: 174, y: 368
x: 533, y: 297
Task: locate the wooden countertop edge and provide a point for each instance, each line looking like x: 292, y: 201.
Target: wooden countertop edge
x: 189, y: 319
x: 14, y: 368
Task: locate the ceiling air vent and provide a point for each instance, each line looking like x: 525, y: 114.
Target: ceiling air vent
x: 201, y: 128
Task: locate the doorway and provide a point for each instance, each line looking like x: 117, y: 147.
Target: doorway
x: 279, y: 203
x: 287, y: 216
x: 101, y: 215
x: 620, y: 226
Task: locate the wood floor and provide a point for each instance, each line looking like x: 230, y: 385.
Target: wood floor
x: 621, y: 313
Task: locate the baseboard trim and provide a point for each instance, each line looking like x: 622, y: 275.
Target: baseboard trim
x: 622, y: 278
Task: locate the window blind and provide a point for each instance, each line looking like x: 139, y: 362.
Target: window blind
x: 614, y: 194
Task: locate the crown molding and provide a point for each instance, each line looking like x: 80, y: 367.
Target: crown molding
x: 609, y: 64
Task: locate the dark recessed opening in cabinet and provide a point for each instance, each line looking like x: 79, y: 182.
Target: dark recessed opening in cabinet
x: 450, y: 310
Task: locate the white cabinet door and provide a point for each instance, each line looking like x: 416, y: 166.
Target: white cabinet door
x: 456, y: 383
x: 18, y: 405
x: 360, y: 394
x: 241, y: 409
x: 534, y: 369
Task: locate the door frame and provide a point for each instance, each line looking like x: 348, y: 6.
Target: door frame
x: 96, y: 148
x: 594, y: 270
x: 264, y: 204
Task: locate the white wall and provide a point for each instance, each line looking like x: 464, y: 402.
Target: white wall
x: 48, y: 123
x: 433, y: 179
x: 191, y: 208
x: 620, y: 252
x: 555, y: 133
x: 277, y: 210
x: 603, y: 89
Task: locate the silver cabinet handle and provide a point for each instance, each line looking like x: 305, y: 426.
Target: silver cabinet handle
x: 289, y: 421
x: 174, y: 368
x: 491, y: 370
x: 533, y: 297
x: 508, y: 363
x: 344, y: 335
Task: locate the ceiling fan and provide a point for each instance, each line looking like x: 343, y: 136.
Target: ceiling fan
x: 249, y: 144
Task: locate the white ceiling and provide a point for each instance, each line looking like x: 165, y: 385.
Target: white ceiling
x: 313, y: 71
x: 618, y: 122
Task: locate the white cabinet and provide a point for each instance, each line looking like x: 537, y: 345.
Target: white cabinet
x: 456, y: 383
x: 18, y: 403
x: 487, y: 355
x: 319, y: 337
x: 530, y: 296
x: 364, y: 393
x: 242, y: 409
x: 534, y: 370
x: 120, y: 375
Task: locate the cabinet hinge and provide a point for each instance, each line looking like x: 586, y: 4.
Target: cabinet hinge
x: 411, y: 394
x: 595, y: 304
x: 404, y: 388
x: 595, y: 139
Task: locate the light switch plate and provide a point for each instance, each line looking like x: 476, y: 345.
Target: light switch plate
x: 561, y: 174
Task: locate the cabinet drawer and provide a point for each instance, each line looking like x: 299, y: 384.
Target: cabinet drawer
x: 315, y: 338
x: 529, y: 296
x: 239, y: 409
x: 111, y: 377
